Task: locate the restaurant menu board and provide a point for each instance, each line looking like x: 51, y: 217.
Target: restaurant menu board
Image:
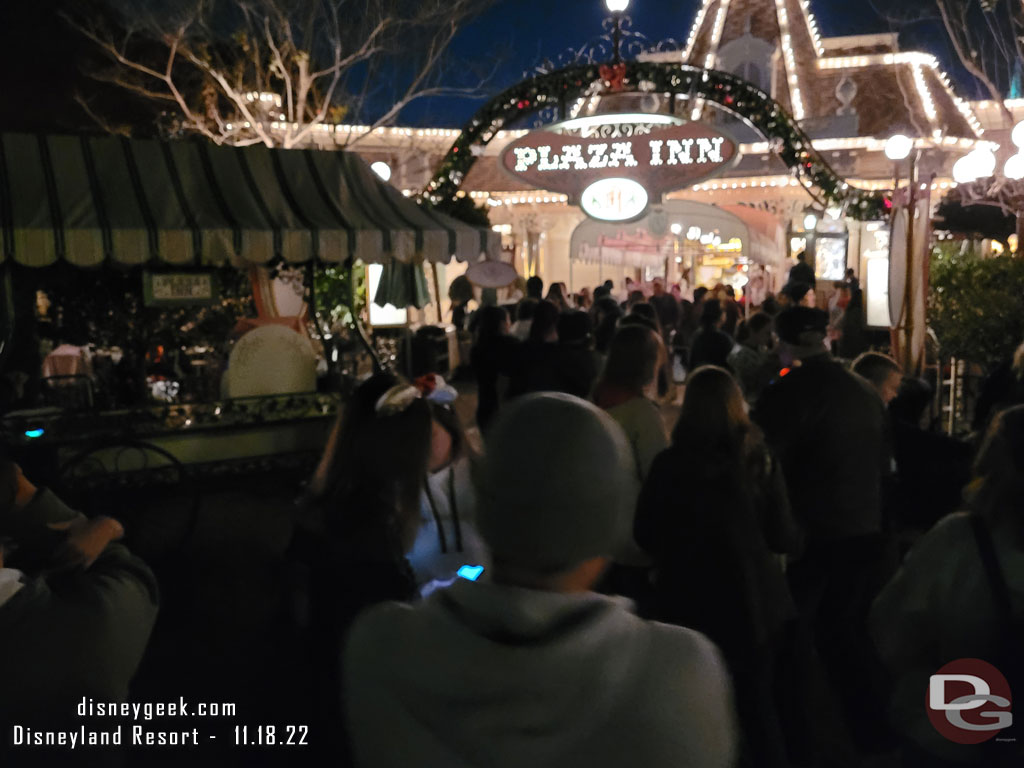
x: 179, y: 288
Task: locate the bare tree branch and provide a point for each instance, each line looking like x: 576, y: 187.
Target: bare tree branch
x: 271, y: 71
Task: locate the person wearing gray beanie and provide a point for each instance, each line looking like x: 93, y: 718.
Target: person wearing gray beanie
x: 528, y: 666
x: 545, y: 505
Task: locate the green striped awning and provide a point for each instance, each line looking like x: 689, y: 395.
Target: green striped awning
x: 94, y: 199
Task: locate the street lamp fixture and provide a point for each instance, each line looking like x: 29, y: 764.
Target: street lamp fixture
x: 1014, y: 167
x: 984, y: 162
x: 382, y: 169
x: 617, y: 8
x: 977, y: 164
x: 1017, y: 136
x: 898, y: 147
x: 963, y: 170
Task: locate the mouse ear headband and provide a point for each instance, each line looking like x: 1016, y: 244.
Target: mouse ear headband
x: 430, y: 387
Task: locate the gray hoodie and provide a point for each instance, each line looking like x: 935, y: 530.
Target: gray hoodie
x: 488, y: 675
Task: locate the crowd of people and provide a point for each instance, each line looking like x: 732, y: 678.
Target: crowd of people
x: 769, y: 583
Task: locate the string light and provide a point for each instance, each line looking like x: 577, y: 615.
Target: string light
x: 790, y: 60
x: 716, y: 35
x: 812, y: 27
x: 692, y: 39
x: 922, y: 91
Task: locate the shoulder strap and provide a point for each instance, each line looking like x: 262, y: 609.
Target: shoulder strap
x: 996, y: 580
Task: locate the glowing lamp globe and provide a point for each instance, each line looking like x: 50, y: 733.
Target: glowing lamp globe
x: 1014, y: 168
x: 984, y: 162
x: 963, y: 170
x: 898, y: 147
x: 676, y: 228
x: 382, y: 169
x: 1017, y: 136
x: 810, y: 221
x: 617, y: 6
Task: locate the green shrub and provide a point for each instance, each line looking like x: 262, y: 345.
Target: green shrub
x: 975, y: 304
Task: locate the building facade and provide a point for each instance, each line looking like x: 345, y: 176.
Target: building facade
x: 849, y: 94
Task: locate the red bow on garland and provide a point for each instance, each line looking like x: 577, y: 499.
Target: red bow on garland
x: 613, y: 76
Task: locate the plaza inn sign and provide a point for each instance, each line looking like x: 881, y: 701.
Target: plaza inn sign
x: 613, y: 166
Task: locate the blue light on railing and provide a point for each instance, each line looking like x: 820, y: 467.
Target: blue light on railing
x: 33, y: 433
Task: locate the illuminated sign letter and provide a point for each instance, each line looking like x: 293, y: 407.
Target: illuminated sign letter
x: 598, y: 158
x: 710, y: 150
x: 679, y: 151
x: 546, y: 164
x: 525, y: 157
x: 656, y: 152
x: 622, y: 151
x: 572, y: 158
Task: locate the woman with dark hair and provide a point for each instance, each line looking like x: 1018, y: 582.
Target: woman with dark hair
x: 539, y: 368
x: 957, y: 596
x: 710, y: 345
x: 577, y: 362
x: 711, y: 513
x: 494, y: 354
x: 634, y: 358
x: 853, y: 338
x: 750, y: 359
x: 556, y: 295
x: 606, y: 318
x: 362, y: 517
x: 447, y: 538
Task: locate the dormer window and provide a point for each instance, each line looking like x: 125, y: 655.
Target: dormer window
x: 748, y: 57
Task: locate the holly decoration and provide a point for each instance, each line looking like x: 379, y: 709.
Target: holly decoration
x: 614, y: 76
x: 544, y: 91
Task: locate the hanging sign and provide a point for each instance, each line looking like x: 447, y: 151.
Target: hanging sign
x: 659, y: 152
x: 179, y: 288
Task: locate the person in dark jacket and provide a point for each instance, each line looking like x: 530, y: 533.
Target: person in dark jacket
x: 931, y: 468
x: 578, y: 363
x: 853, y: 339
x: 802, y: 272
x: 828, y: 428
x: 712, y: 512
x: 78, y: 627
x: 541, y: 365
x: 710, y: 345
x: 495, y: 353
x: 606, y: 318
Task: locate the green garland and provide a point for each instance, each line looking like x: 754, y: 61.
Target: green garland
x: 558, y: 88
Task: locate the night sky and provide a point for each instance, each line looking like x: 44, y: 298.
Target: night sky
x: 527, y: 31
x: 39, y: 56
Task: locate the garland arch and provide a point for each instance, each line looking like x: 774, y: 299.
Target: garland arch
x: 758, y: 109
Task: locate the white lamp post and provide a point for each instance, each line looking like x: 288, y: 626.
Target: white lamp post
x: 617, y: 8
